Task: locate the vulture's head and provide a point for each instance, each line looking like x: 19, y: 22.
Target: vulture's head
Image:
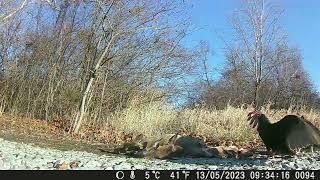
x: 253, y: 118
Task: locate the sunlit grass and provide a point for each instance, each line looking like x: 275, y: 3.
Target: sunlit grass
x: 229, y: 124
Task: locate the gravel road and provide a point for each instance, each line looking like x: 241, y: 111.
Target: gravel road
x: 15, y: 155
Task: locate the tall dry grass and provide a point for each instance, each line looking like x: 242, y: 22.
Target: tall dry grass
x: 229, y: 124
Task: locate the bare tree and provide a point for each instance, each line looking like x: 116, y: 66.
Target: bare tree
x: 261, y: 67
x: 257, y: 28
x: 117, y: 27
x: 10, y: 8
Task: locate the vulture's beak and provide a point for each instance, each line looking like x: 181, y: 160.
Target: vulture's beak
x: 253, y: 120
x: 250, y: 115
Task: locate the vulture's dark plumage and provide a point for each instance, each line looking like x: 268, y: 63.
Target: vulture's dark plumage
x: 288, y: 134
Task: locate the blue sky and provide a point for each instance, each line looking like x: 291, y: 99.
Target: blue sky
x: 301, y: 21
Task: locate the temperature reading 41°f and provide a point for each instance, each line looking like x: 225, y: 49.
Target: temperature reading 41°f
x: 180, y: 174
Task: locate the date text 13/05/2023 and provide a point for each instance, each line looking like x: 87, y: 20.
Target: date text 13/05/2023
x: 218, y: 174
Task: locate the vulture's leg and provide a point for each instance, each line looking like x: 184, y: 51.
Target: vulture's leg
x: 286, y: 150
x: 291, y: 152
x: 269, y: 153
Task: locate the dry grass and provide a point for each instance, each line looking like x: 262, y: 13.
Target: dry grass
x: 156, y: 119
x: 151, y: 120
x: 229, y: 124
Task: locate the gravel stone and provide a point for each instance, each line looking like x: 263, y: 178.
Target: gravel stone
x: 20, y: 156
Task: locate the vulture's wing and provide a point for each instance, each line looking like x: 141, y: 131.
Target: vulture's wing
x: 316, y: 130
x: 303, y: 134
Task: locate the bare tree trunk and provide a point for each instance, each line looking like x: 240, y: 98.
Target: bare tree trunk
x: 57, y: 56
x: 50, y: 93
x: 79, y: 117
x: 205, y: 63
x: 258, y: 58
x: 98, y: 116
x: 81, y: 112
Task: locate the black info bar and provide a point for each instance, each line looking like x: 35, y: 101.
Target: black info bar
x: 165, y: 174
x: 217, y: 174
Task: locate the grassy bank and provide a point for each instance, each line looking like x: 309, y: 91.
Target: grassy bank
x: 156, y: 119
x: 229, y: 124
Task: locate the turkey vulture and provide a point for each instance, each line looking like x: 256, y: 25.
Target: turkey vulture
x: 288, y: 134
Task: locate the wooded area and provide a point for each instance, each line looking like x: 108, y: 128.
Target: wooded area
x: 83, y: 61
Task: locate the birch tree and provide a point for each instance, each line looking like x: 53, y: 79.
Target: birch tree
x: 257, y: 27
